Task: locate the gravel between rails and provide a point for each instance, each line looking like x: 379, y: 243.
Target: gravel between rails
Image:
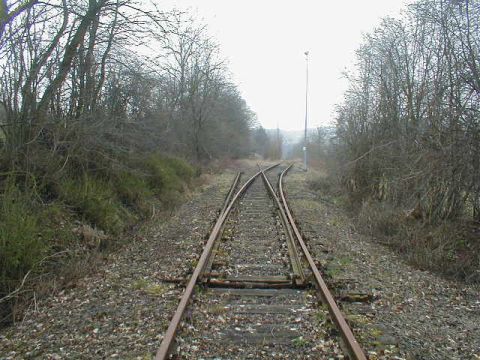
x: 288, y: 324
x: 254, y: 241
x: 226, y: 323
x: 414, y: 314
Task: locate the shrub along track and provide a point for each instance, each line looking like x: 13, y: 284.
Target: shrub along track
x: 254, y: 298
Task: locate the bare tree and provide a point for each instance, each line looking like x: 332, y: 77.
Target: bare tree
x: 409, y: 123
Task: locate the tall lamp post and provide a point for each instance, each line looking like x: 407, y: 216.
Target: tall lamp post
x: 306, y: 115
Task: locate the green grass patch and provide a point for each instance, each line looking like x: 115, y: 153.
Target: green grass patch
x: 96, y: 201
x: 133, y: 191
x: 300, y: 342
x: 152, y: 289
x: 40, y: 215
x: 22, y: 239
x: 168, y: 174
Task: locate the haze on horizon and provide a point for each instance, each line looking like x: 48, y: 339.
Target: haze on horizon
x: 264, y: 43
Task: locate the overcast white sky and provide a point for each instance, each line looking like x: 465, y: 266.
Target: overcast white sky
x: 265, y: 40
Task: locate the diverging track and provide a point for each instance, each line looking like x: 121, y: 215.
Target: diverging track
x: 255, y: 298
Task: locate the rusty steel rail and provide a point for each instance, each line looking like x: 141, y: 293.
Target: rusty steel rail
x: 351, y: 343
x: 299, y: 276
x: 228, y: 198
x: 231, y: 192
x: 169, y: 337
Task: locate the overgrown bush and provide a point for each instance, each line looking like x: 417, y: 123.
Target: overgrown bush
x: 22, y: 238
x: 379, y: 219
x: 323, y: 184
x: 166, y: 174
x: 133, y: 190
x: 450, y: 247
x: 408, y: 134
x: 23, y: 241
x: 95, y: 200
x: 107, y: 197
x: 182, y: 169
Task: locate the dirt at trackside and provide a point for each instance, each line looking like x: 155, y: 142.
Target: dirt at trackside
x: 402, y: 312
x: 123, y: 310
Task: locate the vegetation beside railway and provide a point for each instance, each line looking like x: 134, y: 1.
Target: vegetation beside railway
x: 54, y: 226
x: 447, y: 248
x: 406, y: 148
x: 104, y: 107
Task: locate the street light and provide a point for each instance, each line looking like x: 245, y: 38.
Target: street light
x: 306, y: 115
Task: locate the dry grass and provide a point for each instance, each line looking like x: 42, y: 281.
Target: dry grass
x: 450, y: 248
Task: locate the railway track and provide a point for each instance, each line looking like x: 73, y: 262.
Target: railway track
x: 254, y: 292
